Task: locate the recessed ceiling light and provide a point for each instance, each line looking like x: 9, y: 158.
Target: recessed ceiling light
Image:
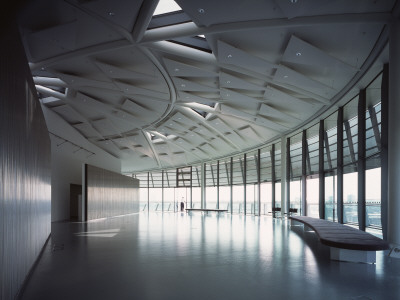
x: 201, y: 10
x: 229, y: 55
x: 43, y: 68
x: 183, y: 85
x: 298, y: 54
x: 176, y: 70
x: 111, y: 14
x: 286, y: 76
x: 228, y: 81
x: 293, y: 1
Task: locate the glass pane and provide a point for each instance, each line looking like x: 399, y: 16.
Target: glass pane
x: 211, y: 197
x: 182, y: 195
x: 278, y: 194
x: 312, y: 159
x: 196, y: 197
x: 373, y: 198
x: 295, y: 194
x: 224, y: 197
x: 313, y: 197
x: 278, y: 173
x: 251, y: 182
x: 330, y: 198
x: 169, y: 200
x: 266, y: 197
x: 295, y: 156
x: 350, y: 187
x: 238, y: 188
x: 155, y: 199
x: 266, y: 164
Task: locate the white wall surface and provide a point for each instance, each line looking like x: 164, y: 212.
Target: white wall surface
x: 67, y: 162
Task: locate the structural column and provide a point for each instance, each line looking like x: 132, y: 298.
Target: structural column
x: 283, y: 174
x: 321, y: 175
x: 273, y: 179
x: 304, y: 149
x: 384, y: 148
x: 258, y: 161
x: 148, y: 191
x: 361, y: 160
x: 231, y: 185
x: 394, y: 136
x: 218, y: 184
x: 162, y: 190
x: 203, y: 185
x: 244, y: 182
x: 287, y: 173
x: 339, y: 145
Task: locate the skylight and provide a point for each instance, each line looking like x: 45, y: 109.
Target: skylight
x: 166, y: 6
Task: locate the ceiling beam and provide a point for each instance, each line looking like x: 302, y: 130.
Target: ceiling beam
x: 190, y: 29
x: 143, y: 19
x: 169, y: 141
x: 188, y: 111
x: 145, y: 134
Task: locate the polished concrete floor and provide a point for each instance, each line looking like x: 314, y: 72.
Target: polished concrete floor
x: 195, y: 256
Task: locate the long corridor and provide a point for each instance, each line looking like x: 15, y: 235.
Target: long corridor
x: 199, y: 256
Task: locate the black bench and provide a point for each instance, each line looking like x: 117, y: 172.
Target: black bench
x: 347, y: 243
x: 206, y: 209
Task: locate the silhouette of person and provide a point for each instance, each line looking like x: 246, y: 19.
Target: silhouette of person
x: 182, y: 205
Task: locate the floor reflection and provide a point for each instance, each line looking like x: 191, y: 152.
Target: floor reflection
x: 201, y: 256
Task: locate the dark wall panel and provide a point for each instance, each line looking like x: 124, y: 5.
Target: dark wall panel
x: 110, y: 194
x: 25, y: 191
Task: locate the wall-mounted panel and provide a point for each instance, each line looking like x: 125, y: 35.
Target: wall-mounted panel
x: 25, y: 177
x: 109, y: 194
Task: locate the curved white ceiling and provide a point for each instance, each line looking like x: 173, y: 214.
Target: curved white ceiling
x: 149, y: 100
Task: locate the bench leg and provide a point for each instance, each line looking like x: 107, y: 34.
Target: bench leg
x: 367, y: 257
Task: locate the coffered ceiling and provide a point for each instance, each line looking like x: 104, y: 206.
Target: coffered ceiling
x: 164, y: 97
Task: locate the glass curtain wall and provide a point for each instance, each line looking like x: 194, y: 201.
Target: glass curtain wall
x: 251, y: 183
x: 196, y: 187
x: 278, y: 175
x: 373, y: 156
x: 143, y: 190
x: 211, y: 185
x: 170, y: 197
x: 266, y: 180
x: 224, y: 184
x: 155, y: 191
x: 160, y: 187
x: 238, y: 186
x: 330, y: 167
x: 312, y: 171
x: 295, y: 171
x: 350, y: 158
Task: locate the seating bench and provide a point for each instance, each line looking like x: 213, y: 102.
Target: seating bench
x: 206, y: 209
x: 347, y: 243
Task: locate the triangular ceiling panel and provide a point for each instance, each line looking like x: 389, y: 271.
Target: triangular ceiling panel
x: 130, y: 89
x: 229, y: 81
x: 188, y: 97
x: 288, y: 76
x: 121, y: 72
x: 191, y: 86
x: 121, y: 13
x: 177, y: 69
x: 230, y: 55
